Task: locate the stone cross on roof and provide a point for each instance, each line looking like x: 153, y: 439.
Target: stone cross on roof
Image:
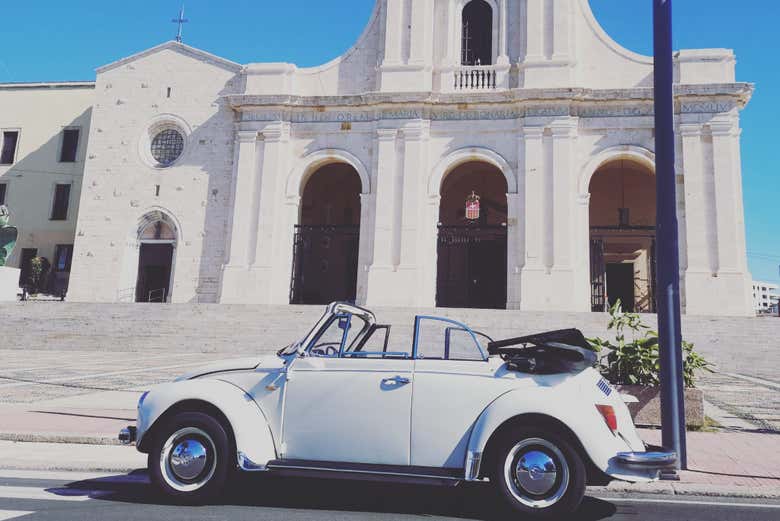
x: 181, y: 21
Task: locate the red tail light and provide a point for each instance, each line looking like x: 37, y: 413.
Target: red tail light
x: 608, y: 413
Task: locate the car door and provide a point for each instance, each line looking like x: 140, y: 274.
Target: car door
x: 348, y: 407
x: 453, y: 383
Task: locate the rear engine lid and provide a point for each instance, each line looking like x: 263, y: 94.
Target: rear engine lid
x: 555, y: 352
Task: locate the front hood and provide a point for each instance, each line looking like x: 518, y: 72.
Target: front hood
x: 239, y: 364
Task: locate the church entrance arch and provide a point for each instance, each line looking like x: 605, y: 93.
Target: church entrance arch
x: 327, y: 238
x: 472, y: 238
x: 622, y: 236
x: 157, y: 240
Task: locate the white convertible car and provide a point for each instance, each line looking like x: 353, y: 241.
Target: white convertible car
x: 357, y: 400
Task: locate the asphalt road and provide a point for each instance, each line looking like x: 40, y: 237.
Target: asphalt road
x: 31, y: 496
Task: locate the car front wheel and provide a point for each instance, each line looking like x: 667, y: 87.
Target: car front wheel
x: 189, y: 461
x: 540, y: 473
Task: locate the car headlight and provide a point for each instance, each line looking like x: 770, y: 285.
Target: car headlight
x: 141, y: 400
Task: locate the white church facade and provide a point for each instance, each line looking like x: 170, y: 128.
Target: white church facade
x: 482, y: 153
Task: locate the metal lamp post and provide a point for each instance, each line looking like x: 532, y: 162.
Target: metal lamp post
x: 669, y: 330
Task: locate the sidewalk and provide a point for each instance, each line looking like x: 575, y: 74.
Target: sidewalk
x: 73, y: 434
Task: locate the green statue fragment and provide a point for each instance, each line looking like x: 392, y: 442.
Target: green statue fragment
x: 8, y: 236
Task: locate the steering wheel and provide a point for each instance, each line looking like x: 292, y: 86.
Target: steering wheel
x: 326, y: 349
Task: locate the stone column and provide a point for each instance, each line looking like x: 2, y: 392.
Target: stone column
x: 503, y: 34
x: 365, y: 247
x: 533, y: 270
x: 244, y: 179
x: 421, y: 34
x: 534, y: 32
x: 701, y: 247
x: 278, y: 216
x: 723, y: 134
x: 415, y: 170
x: 393, y: 32
x: 386, y: 200
x: 581, y: 300
x: 564, y: 189
x: 561, y: 29
x: 515, y: 249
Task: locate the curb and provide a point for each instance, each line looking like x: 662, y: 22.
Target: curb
x: 618, y: 488
x: 74, y: 439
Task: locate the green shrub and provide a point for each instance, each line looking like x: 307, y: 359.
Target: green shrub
x: 635, y: 361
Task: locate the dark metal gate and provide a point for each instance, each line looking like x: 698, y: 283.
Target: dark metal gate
x: 472, y: 267
x: 598, y: 276
x: 325, y: 264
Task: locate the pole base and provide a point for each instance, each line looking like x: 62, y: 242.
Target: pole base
x: 669, y: 475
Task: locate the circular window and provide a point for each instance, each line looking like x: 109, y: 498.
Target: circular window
x: 167, y: 146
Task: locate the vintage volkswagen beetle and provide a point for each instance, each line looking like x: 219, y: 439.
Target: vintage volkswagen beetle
x: 353, y: 399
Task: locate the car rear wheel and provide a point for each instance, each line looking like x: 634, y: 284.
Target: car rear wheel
x: 190, y: 459
x: 540, y: 473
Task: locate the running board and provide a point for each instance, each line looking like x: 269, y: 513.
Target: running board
x: 367, y: 472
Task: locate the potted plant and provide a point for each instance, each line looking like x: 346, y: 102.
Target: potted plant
x: 633, y: 366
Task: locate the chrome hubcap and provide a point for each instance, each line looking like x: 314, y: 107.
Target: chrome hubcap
x: 536, y: 472
x: 188, y: 459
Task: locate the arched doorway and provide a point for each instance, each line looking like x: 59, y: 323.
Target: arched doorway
x: 327, y: 240
x: 157, y: 239
x: 622, y: 236
x: 477, y: 34
x: 472, y: 238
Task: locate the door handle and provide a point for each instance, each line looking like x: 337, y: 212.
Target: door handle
x: 397, y: 380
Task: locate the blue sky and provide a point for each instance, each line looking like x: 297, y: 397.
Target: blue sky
x: 55, y: 40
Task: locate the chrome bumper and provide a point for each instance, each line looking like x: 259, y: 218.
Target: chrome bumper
x: 655, y: 458
x: 127, y: 436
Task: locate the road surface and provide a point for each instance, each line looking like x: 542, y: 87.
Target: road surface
x: 63, y: 496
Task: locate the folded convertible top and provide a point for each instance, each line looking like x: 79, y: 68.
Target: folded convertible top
x: 564, y: 351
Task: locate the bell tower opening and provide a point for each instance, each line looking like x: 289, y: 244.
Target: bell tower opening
x: 477, y: 35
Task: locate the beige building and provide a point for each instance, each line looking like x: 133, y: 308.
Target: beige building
x: 43, y: 139
x: 463, y: 153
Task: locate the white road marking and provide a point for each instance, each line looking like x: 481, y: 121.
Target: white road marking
x: 753, y: 379
x: 688, y: 502
x: 12, y: 514
x: 48, y: 494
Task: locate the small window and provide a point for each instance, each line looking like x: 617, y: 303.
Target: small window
x: 443, y: 339
x: 63, y: 256
x: 3, y: 191
x: 167, y: 146
x: 70, y: 145
x: 8, y: 153
x: 59, y: 210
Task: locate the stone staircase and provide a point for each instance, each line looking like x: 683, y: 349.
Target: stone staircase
x: 747, y: 343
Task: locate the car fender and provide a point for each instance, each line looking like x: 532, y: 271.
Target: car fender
x: 254, y: 441
x: 560, y: 403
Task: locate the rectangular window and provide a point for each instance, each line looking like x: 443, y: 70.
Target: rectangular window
x: 70, y: 145
x: 59, y: 210
x: 8, y: 152
x: 62, y: 257
x: 3, y: 191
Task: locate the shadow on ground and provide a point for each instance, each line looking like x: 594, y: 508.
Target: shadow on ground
x: 467, y: 501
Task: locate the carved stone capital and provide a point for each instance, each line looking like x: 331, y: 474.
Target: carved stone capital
x: 247, y: 136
